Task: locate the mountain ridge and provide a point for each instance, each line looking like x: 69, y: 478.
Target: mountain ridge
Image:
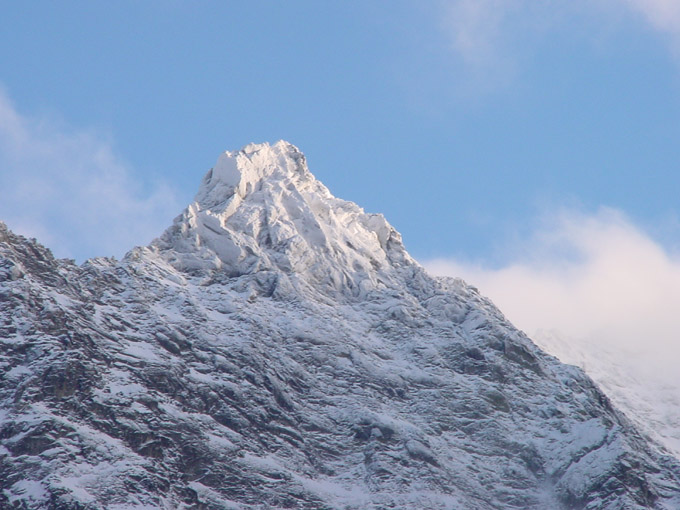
x: 251, y: 358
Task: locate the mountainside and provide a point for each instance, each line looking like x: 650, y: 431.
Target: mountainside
x: 277, y: 347
x: 647, y: 393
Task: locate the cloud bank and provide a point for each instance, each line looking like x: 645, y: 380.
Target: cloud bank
x: 599, y: 292
x: 70, y: 190
x: 586, y: 276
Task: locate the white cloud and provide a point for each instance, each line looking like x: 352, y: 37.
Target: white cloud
x: 663, y: 15
x: 586, y: 275
x: 476, y: 27
x: 490, y: 37
x: 487, y: 34
x: 70, y: 190
x: 597, y: 291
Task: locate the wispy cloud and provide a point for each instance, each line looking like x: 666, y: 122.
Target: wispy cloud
x: 492, y: 37
x: 483, y: 31
x: 69, y: 189
x: 663, y: 15
x: 476, y: 28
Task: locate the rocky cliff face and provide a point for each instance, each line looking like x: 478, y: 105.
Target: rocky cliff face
x: 277, y: 347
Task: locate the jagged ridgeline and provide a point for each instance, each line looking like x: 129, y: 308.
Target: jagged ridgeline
x: 277, y: 347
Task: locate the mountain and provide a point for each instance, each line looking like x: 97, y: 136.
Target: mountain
x: 277, y: 347
x: 645, y: 389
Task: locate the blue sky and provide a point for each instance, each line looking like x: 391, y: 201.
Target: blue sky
x: 463, y: 122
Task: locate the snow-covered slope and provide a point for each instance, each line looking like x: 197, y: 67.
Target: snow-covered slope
x: 277, y: 347
x: 633, y: 379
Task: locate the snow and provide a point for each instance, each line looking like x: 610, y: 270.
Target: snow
x: 277, y: 342
x: 17, y: 371
x: 651, y: 400
x: 262, y: 208
x: 142, y: 350
x: 30, y: 491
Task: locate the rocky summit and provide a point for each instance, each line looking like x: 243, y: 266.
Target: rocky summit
x: 277, y: 347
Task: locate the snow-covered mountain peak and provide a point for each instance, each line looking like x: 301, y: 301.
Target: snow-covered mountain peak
x: 277, y: 348
x: 261, y: 209
x: 240, y: 172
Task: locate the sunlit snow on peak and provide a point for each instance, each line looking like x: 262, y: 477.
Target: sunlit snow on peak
x: 240, y: 172
x: 260, y: 208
